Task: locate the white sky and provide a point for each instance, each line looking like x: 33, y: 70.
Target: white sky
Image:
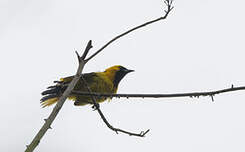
x: 200, y: 47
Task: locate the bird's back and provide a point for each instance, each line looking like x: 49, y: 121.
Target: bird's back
x: 98, y: 82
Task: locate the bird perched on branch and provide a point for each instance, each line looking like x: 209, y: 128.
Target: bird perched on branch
x: 98, y: 82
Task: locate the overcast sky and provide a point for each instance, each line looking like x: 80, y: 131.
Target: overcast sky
x: 200, y: 47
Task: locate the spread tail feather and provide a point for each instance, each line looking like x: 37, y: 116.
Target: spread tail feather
x: 52, y: 94
x: 49, y: 101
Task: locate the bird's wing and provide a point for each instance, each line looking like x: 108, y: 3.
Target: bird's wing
x: 97, y: 82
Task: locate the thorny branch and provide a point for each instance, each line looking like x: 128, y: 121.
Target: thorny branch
x: 82, y: 62
x: 58, y: 106
x: 191, y: 94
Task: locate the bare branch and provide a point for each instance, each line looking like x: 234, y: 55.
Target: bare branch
x: 58, y: 106
x: 97, y: 107
x: 191, y: 94
x: 167, y: 11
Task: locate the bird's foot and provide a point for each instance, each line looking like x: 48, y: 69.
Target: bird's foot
x: 96, y: 106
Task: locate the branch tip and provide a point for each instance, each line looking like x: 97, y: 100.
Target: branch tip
x: 147, y: 131
x: 143, y: 133
x: 78, y: 57
x: 88, y: 47
x: 168, y: 3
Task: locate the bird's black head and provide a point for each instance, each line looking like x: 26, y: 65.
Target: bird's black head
x: 116, y: 73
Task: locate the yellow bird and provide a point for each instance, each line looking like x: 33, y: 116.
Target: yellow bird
x: 98, y: 82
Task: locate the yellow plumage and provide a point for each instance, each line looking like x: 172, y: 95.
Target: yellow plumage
x: 99, y: 82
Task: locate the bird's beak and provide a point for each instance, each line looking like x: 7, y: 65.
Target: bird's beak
x: 128, y: 71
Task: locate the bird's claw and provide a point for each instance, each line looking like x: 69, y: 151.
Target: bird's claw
x: 96, y: 106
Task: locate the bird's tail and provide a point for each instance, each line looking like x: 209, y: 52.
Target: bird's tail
x: 52, y: 94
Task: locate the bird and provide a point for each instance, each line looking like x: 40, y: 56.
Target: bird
x: 98, y: 82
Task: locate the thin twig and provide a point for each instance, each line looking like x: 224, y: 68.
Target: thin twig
x: 58, y: 106
x: 191, y: 94
x: 89, y: 46
x: 167, y: 11
x: 97, y: 107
